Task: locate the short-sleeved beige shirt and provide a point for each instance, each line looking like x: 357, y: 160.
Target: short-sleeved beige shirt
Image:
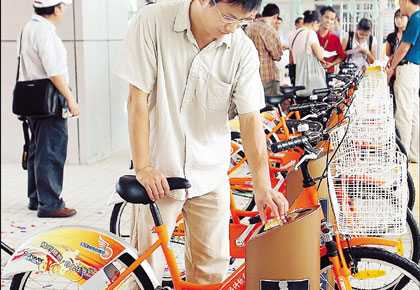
x: 190, y: 92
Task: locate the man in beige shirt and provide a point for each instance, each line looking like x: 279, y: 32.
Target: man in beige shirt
x: 185, y: 62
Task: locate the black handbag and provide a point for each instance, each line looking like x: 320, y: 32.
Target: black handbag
x: 36, y: 98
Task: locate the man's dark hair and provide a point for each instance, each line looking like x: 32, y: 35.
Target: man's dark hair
x: 415, y: 2
x: 279, y: 18
x: 364, y: 24
x: 327, y: 8
x: 248, y: 5
x: 310, y: 16
x: 297, y: 20
x: 270, y: 9
x: 45, y: 10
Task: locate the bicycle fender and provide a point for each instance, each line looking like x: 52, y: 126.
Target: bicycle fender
x: 365, y: 241
x: 78, y: 253
x: 114, y: 199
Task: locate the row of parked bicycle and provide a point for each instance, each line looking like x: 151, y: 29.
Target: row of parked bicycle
x: 372, y: 242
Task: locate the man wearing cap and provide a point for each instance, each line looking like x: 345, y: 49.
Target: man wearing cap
x: 43, y: 55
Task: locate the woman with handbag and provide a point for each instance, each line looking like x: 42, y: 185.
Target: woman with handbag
x: 308, y: 55
x: 43, y: 57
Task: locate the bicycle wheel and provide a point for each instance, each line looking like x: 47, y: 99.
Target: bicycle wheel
x: 411, y: 191
x: 378, y: 269
x: 120, y: 220
x: 410, y: 240
x: 41, y: 280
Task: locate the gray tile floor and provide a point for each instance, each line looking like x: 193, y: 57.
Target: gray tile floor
x: 86, y: 188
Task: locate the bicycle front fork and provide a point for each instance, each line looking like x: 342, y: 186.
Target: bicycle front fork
x: 336, y: 256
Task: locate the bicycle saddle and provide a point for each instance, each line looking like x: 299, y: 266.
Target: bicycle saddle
x: 235, y: 135
x: 291, y: 90
x: 275, y: 100
x: 132, y: 191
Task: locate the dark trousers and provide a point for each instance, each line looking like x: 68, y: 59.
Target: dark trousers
x: 47, y: 155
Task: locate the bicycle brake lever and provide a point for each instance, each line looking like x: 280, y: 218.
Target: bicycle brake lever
x: 309, y: 156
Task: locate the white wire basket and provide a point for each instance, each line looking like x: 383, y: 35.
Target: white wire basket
x: 375, y: 81
x: 369, y: 200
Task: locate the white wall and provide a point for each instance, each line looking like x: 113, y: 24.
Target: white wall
x: 92, y: 32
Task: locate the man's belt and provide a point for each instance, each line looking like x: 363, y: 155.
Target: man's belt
x: 404, y: 61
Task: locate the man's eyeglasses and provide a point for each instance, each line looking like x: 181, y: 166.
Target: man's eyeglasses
x: 230, y: 20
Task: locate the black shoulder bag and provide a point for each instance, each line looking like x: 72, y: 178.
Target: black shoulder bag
x: 36, y: 98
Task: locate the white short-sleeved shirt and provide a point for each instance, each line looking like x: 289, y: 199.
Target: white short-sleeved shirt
x: 307, y: 36
x: 43, y: 53
x: 359, y: 59
x: 190, y: 92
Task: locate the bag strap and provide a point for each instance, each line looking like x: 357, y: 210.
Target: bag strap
x: 370, y: 40
x: 291, y: 47
x: 20, y: 51
x: 25, y: 154
x: 350, y: 40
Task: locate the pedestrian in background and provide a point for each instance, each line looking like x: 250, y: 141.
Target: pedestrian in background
x: 308, y: 55
x: 405, y: 64
x: 267, y: 41
x: 333, y: 52
x: 360, y: 46
x: 43, y: 55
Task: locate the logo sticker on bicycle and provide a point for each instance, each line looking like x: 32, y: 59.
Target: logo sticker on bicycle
x: 284, y: 284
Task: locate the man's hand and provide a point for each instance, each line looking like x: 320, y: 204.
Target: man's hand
x: 273, y: 199
x: 389, y: 73
x: 154, y: 182
x: 327, y: 65
x: 74, y: 107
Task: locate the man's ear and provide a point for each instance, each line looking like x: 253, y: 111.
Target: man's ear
x: 275, y: 16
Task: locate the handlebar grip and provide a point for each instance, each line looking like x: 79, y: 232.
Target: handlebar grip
x: 321, y: 91
x: 295, y: 142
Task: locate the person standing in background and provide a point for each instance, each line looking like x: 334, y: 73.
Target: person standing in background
x: 405, y: 64
x: 360, y: 46
x: 267, y: 42
x: 333, y: 52
x: 336, y: 29
x: 43, y: 55
x: 298, y: 24
x: 393, y: 40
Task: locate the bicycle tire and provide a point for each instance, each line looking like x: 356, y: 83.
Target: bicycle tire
x: 400, y: 147
x: 411, y: 191
x: 19, y: 281
x: 413, y: 248
x: 409, y: 271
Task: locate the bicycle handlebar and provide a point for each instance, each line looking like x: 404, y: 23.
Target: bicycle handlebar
x: 295, y: 142
x: 307, y: 107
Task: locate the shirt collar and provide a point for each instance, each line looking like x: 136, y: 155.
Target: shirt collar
x: 183, y: 22
x: 326, y: 36
x: 43, y: 20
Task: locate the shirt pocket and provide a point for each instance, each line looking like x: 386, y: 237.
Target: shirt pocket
x: 217, y: 94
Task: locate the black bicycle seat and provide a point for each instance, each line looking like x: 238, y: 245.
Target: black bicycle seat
x: 235, y: 135
x: 132, y: 191
x: 291, y: 90
x: 278, y: 99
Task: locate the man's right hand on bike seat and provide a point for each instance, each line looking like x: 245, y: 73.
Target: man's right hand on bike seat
x: 154, y: 182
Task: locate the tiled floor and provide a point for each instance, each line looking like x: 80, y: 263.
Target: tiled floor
x: 86, y: 188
